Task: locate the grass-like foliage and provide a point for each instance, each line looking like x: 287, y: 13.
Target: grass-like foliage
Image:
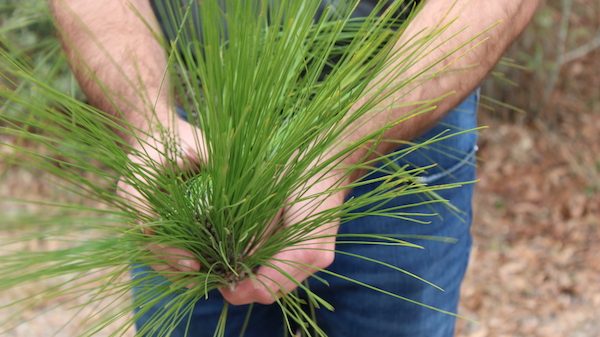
x: 273, y: 90
x: 26, y: 30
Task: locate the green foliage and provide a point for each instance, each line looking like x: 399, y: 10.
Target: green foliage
x: 27, y: 32
x: 254, y: 82
x: 536, y: 62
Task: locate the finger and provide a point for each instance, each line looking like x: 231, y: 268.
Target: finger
x: 193, y: 143
x: 280, y: 276
x: 271, y: 228
x: 133, y: 196
x: 249, y: 291
x: 177, y: 258
x: 241, y: 293
x: 164, y: 269
x: 171, y: 274
x: 286, y: 271
x: 187, y: 159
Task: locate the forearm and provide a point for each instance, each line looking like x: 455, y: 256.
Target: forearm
x: 467, y: 67
x: 116, y: 58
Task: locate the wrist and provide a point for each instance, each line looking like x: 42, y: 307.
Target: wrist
x: 152, y: 125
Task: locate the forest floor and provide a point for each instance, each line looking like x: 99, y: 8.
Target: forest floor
x: 535, y: 267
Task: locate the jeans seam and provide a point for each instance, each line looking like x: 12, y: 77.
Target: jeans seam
x: 465, y: 161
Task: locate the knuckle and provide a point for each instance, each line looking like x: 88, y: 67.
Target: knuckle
x: 233, y: 299
x: 264, y: 297
x: 324, y: 259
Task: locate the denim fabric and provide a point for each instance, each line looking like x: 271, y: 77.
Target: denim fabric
x: 359, y: 311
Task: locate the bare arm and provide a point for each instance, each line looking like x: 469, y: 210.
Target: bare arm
x: 472, y: 18
x: 116, y: 58
x: 121, y: 67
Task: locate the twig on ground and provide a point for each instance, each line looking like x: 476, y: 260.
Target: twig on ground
x: 582, y: 50
x: 563, y: 33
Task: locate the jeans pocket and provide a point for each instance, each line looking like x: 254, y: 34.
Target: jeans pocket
x: 450, y: 172
x: 448, y: 147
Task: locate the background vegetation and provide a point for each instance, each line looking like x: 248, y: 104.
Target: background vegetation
x: 534, y: 271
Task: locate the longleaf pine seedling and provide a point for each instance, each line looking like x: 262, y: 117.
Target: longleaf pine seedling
x: 273, y: 87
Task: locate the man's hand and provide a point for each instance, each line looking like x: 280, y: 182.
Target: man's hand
x: 150, y: 153
x: 298, y: 261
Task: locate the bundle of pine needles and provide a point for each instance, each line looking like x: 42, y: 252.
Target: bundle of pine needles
x: 272, y: 89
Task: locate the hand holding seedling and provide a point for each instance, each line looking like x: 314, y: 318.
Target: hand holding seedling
x: 175, y: 148
x: 288, y: 268
x: 122, y: 69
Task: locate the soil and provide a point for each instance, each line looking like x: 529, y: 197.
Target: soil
x: 535, y: 269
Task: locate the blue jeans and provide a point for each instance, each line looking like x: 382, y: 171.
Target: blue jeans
x: 359, y: 311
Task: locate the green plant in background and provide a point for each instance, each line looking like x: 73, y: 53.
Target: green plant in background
x: 26, y: 29
x: 253, y: 79
x: 561, y: 33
